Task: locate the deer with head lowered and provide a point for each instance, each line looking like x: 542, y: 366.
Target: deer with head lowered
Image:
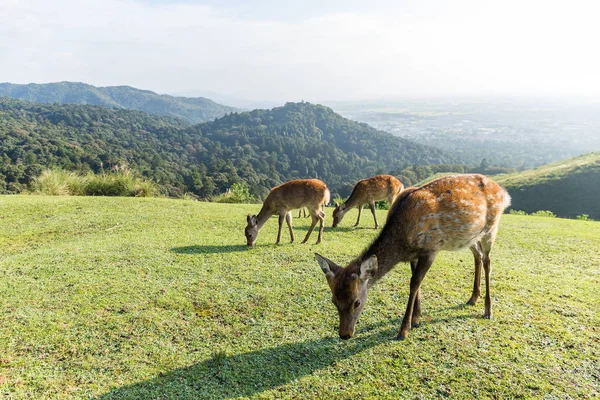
x: 309, y: 193
x: 448, y: 213
x: 368, y: 191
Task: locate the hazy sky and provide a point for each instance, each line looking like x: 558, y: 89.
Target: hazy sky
x: 309, y: 49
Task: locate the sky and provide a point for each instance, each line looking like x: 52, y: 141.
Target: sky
x: 307, y: 50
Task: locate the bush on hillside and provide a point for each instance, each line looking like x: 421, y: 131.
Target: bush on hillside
x: 517, y: 212
x: 237, y: 193
x: 544, y: 213
x: 121, y: 182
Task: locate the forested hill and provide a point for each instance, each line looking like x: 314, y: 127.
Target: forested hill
x: 261, y: 147
x: 198, y: 109
x: 568, y: 188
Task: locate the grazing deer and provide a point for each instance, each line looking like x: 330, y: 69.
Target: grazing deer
x: 449, y: 213
x: 299, y: 193
x: 380, y: 187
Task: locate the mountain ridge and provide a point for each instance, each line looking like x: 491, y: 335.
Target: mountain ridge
x: 192, y: 109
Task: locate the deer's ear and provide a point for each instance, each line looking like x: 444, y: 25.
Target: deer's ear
x: 343, y: 206
x: 251, y: 219
x: 368, y: 268
x: 336, y: 204
x: 329, y: 267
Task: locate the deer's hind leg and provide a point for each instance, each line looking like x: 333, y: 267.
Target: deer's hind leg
x: 478, y: 255
x: 312, y: 225
x: 372, y: 206
x: 321, y: 217
x: 486, y: 246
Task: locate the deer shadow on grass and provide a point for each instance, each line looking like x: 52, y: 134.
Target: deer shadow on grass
x: 209, y: 249
x: 247, y: 374
x: 330, y: 229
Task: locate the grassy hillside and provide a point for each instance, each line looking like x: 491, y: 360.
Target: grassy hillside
x: 196, y: 109
x: 568, y: 188
x: 125, y: 298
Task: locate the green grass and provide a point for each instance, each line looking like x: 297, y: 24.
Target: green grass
x: 146, y: 298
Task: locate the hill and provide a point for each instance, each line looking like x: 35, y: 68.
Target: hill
x: 261, y: 147
x: 198, y: 109
x: 568, y: 188
x: 125, y: 298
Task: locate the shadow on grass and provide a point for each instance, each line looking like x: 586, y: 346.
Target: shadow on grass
x: 209, y: 249
x: 329, y: 228
x: 246, y: 374
x: 351, y: 228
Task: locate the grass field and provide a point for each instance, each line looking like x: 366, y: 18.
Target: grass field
x: 126, y: 298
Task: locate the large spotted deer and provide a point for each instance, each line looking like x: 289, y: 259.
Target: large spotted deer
x: 309, y: 193
x: 449, y: 213
x: 368, y: 191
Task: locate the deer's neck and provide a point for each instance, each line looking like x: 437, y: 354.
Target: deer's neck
x: 352, y: 202
x: 389, y: 251
x: 263, y: 216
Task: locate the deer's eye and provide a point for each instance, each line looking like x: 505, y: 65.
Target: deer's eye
x: 356, y: 304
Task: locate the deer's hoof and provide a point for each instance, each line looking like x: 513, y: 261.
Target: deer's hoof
x: 471, y: 301
x: 402, y: 335
x: 415, y: 324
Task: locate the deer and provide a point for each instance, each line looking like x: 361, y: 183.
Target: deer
x: 311, y: 194
x: 446, y: 214
x: 380, y: 187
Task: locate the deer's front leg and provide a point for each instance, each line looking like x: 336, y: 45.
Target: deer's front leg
x: 359, y: 212
x: 288, y: 219
x: 416, y: 317
x: 281, y: 218
x: 418, y: 274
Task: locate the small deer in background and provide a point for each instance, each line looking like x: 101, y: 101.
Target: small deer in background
x: 309, y: 193
x: 449, y: 213
x: 380, y: 187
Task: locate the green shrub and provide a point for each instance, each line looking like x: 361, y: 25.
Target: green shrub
x: 238, y: 193
x: 58, y: 183
x: 517, y: 212
x: 583, y: 217
x: 544, y: 213
x: 382, y: 205
x: 188, y: 196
